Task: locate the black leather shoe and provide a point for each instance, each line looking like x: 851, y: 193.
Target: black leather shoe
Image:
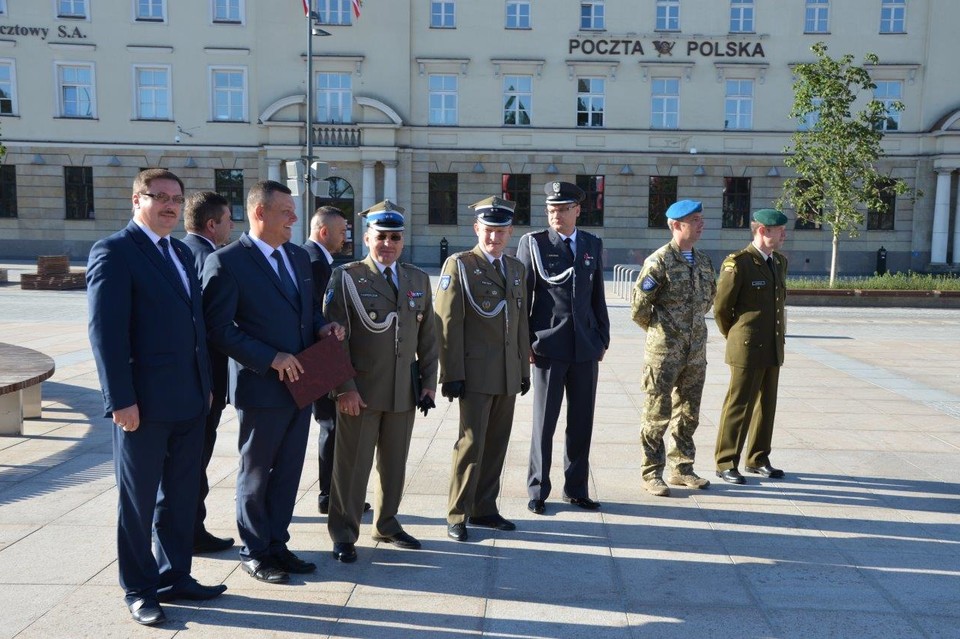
x: 344, y: 552
x: 536, y: 506
x: 766, y: 470
x: 457, y: 532
x: 731, y: 476
x: 265, y: 570
x: 288, y: 561
x: 146, y: 612
x: 400, y: 540
x: 190, y: 590
x: 205, y: 542
x: 492, y: 521
x: 583, y: 502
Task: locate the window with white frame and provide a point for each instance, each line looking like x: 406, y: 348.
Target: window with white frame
x: 151, y: 10
x: 334, y: 11
x: 443, y: 99
x: 817, y: 16
x: 518, y: 14
x: 592, y: 16
x: 893, y: 16
x: 228, y: 94
x: 334, y: 98
x: 668, y: 15
x: 8, y: 88
x: 517, y: 100
x: 888, y: 92
x: 442, y: 14
x: 741, y: 16
x: 665, y: 103
x: 590, y: 102
x: 71, y: 8
x: 228, y: 11
x: 76, y: 90
x: 738, y: 105
x: 152, y: 86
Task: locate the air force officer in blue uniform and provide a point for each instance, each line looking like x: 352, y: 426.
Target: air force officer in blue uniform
x: 258, y: 302
x: 148, y: 338
x: 569, y: 333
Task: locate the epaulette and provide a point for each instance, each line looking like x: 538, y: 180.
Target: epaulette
x: 350, y: 265
x: 413, y: 267
x: 730, y: 261
x: 460, y: 254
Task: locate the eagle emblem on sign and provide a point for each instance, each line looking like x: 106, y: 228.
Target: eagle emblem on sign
x: 664, y: 47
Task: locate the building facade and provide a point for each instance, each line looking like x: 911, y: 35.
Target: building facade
x: 438, y: 103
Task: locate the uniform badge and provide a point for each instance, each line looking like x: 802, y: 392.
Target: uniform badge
x: 519, y: 302
x: 419, y: 317
x: 412, y: 304
x: 477, y: 271
x: 444, y: 282
x: 362, y: 280
x: 328, y: 297
x: 373, y: 315
x: 486, y: 305
x: 516, y: 282
x: 648, y: 284
x: 494, y: 293
x: 758, y: 283
x: 556, y: 188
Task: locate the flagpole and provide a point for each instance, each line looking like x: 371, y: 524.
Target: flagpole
x: 307, y: 194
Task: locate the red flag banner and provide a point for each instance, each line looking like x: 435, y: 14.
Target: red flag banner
x: 356, y: 8
x: 306, y: 8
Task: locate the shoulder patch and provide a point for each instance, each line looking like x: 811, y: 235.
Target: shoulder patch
x: 328, y: 296
x: 444, y: 282
x: 648, y: 284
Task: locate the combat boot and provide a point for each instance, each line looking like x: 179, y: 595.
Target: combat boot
x: 690, y: 480
x: 656, y: 486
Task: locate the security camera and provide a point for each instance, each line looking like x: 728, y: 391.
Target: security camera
x: 176, y: 139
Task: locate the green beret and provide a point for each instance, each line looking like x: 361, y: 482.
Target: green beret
x: 770, y: 217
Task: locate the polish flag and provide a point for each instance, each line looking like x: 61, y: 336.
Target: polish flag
x: 356, y: 8
x: 306, y: 8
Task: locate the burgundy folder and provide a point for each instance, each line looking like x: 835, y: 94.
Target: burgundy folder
x: 326, y: 365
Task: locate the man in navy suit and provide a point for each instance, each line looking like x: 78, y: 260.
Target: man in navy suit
x: 258, y: 303
x: 569, y: 334
x: 328, y: 233
x: 206, y: 216
x: 148, y: 338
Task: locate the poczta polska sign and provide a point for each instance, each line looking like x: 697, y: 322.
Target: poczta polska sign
x: 613, y: 46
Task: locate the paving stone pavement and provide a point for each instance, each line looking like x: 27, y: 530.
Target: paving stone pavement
x: 862, y: 538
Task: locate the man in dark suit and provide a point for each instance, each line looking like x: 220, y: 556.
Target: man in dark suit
x: 148, y: 338
x: 258, y: 303
x: 569, y: 333
x: 749, y: 312
x: 328, y: 233
x: 206, y: 216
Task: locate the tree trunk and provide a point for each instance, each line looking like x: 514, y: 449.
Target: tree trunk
x: 833, y: 258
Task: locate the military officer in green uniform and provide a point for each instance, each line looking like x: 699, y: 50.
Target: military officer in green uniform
x: 392, y: 340
x: 673, y: 292
x: 749, y: 312
x: 484, y: 362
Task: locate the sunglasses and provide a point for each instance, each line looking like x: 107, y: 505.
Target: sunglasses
x: 393, y: 237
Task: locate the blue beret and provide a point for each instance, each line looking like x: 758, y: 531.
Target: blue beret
x: 770, y: 217
x: 683, y: 208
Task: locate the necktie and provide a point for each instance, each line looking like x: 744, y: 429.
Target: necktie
x: 770, y: 264
x: 288, y: 286
x: 569, y: 243
x: 163, y: 243
x: 388, y: 273
x: 498, y: 267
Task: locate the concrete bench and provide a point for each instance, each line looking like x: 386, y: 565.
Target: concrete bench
x: 22, y: 370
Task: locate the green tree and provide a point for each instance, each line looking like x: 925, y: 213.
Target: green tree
x: 834, y: 151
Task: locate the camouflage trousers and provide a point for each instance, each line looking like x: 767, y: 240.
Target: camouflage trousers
x: 673, y: 383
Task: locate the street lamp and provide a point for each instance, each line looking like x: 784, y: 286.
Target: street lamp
x: 313, y: 29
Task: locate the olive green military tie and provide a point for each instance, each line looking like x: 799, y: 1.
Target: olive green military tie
x: 498, y: 267
x: 388, y: 273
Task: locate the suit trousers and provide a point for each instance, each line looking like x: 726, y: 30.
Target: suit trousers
x: 478, y: 456
x: 358, y: 437
x: 326, y: 441
x: 273, y: 444
x: 209, y: 441
x: 748, y: 413
x: 157, y: 469
x: 551, y: 379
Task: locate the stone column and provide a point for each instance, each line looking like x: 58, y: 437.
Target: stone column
x: 369, y: 193
x: 941, y: 218
x: 390, y: 182
x: 956, y: 233
x: 273, y: 170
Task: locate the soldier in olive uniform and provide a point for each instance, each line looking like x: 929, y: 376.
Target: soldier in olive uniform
x: 392, y: 339
x: 484, y: 361
x: 674, y: 290
x: 749, y: 312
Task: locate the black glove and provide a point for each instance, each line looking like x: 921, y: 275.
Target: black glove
x: 452, y: 390
x: 425, y: 404
x: 524, y: 385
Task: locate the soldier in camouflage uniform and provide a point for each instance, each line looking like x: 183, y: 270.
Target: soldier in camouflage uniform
x: 673, y: 292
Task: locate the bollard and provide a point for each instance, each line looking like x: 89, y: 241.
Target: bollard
x: 444, y: 250
x: 881, y: 261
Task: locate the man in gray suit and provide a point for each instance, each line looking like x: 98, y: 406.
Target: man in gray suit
x: 206, y: 216
x: 258, y: 302
x: 569, y: 333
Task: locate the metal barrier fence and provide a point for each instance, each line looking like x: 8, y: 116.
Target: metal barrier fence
x: 624, y: 277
